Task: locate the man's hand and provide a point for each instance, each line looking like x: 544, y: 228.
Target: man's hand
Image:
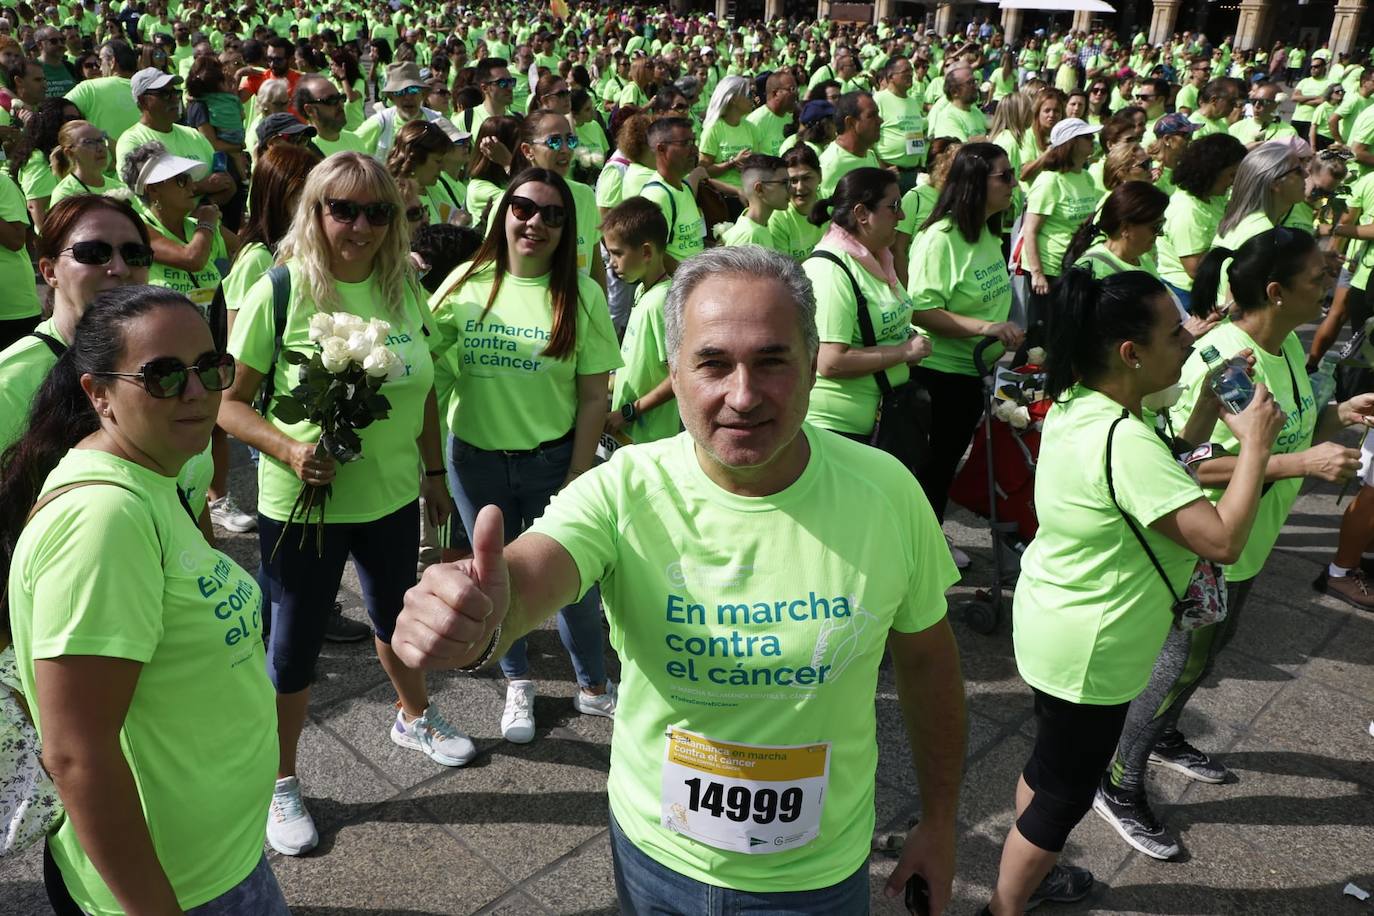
x: 928, y: 851
x: 448, y: 617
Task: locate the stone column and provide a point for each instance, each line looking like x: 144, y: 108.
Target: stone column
x: 1011, y: 25
x: 772, y: 9
x: 1162, y: 21
x: 884, y: 9
x: 1346, y: 25
x: 944, y: 18
x: 1250, y: 24
x: 722, y: 10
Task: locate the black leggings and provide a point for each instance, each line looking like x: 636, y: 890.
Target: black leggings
x: 59, y: 898
x: 956, y: 406
x: 1074, y: 742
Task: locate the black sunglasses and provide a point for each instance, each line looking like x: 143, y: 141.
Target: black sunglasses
x: 337, y: 98
x: 378, y: 213
x: 94, y: 251
x: 505, y: 82
x: 167, y: 376
x: 525, y: 209
x: 415, y: 214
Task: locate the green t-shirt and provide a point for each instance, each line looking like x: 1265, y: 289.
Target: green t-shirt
x: 1100, y: 261
x: 953, y: 121
x: 1091, y: 612
x: 1208, y: 125
x: 793, y: 233
x: 1362, y: 132
x: 24, y: 365
x: 903, y: 139
x: 508, y: 393
x: 1190, y: 227
x: 947, y: 272
x: 1064, y: 199
x: 1362, y: 198
x: 386, y: 477
x: 1285, y: 374
x: 770, y: 634
x: 645, y: 354
x: 253, y: 261
x: 481, y: 195
x: 72, y: 186
x: 635, y: 179
x: 722, y: 142
x: 16, y: 272
x: 121, y: 571
x: 346, y: 142
x: 198, y: 286
x: 1250, y: 131
x: 588, y: 224
x: 179, y: 141
x: 917, y: 205
x: 1186, y: 98
x: 745, y: 231
x: 1349, y: 110
x: 849, y: 405
x: 1309, y: 86
x: 686, y: 226
x: 609, y: 186
x: 768, y: 130
x: 837, y: 162
x: 36, y: 179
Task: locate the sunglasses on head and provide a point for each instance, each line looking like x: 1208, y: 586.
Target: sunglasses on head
x: 96, y: 252
x: 558, y: 141
x: 167, y: 376
x: 525, y: 209
x: 378, y: 213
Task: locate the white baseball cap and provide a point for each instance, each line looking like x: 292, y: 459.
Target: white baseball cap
x: 1071, y: 129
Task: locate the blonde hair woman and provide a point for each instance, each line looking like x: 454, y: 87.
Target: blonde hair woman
x: 79, y: 161
x: 347, y: 251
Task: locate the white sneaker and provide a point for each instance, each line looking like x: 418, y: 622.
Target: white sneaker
x: 227, y: 514
x: 433, y: 736
x: 962, y: 561
x: 598, y: 704
x: 517, y: 722
x: 290, y: 829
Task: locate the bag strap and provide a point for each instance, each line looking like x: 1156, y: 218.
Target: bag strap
x: 866, y: 332
x: 1111, y: 490
x: 56, y: 346
x: 672, y: 207
x: 281, y: 298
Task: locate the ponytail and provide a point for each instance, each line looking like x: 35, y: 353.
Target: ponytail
x: 821, y: 211
x: 1083, y: 238
x: 61, y: 163
x: 1090, y: 318
x: 1207, y: 282
x: 1276, y: 256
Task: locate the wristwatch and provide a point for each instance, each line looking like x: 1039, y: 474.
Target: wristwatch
x: 628, y: 412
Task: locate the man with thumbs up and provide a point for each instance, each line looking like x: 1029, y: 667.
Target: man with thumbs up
x: 754, y: 569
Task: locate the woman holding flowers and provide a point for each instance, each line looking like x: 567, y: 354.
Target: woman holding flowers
x: 353, y: 303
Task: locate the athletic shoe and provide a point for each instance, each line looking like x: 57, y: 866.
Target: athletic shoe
x: 433, y: 736
x: 1136, y: 823
x: 598, y: 705
x: 227, y: 514
x: 290, y: 829
x: 1177, y: 754
x: 517, y: 722
x: 962, y: 561
x: 1352, y: 588
x: 339, y: 628
x: 1064, y: 884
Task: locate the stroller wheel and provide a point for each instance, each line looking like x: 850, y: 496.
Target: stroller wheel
x: 981, y: 616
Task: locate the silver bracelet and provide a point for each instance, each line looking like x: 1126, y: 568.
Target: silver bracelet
x: 486, y: 655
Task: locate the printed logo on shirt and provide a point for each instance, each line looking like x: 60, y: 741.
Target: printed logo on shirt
x: 490, y: 344
x: 237, y: 602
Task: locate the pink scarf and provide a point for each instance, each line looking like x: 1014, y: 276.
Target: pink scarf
x: 881, y: 267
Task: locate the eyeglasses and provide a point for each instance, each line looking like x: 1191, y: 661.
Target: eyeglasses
x: 525, y: 209
x: 167, y: 376
x: 415, y: 214
x: 1264, y: 103
x: 378, y: 213
x: 557, y: 142
x: 558, y: 94
x: 408, y: 91
x: 1097, y: 90
x: 95, y: 142
x: 337, y: 98
x: 96, y: 252
x: 505, y: 82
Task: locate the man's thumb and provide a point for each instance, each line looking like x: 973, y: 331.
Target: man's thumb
x: 488, y: 548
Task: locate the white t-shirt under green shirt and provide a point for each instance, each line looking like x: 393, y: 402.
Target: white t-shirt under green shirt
x: 735, y: 619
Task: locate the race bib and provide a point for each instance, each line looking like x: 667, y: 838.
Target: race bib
x: 752, y: 798
x: 915, y: 143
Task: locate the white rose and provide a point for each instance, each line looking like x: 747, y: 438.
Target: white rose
x: 1020, y: 418
x: 1003, y: 410
x: 1036, y: 356
x: 346, y: 323
x: 334, y: 354
x: 379, y: 362
x: 377, y: 331
x: 321, y: 326
x: 358, y: 345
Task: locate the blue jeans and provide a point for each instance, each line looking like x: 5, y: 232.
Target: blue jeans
x: 1185, y: 297
x: 521, y: 487
x: 258, y: 893
x: 648, y: 888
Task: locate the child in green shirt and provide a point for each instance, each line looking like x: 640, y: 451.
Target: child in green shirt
x: 764, y: 180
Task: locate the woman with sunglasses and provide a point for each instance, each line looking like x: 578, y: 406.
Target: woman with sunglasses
x: 347, y: 251
x: 79, y: 161
x: 1319, y: 135
x: 489, y: 171
x: 551, y: 93
x: 128, y: 626
x: 1279, y: 280
x: 535, y: 340
x: 418, y: 154
x: 546, y: 143
x: 1270, y: 182
x: 961, y: 293
x: 1125, y: 162
x: 1099, y: 99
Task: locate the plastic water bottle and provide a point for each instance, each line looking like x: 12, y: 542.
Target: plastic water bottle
x: 1229, y: 379
x: 1324, y: 380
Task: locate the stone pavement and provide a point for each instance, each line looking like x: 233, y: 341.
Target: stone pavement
x: 522, y: 829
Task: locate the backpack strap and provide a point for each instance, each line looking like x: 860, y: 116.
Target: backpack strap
x: 1111, y: 491
x: 56, y: 346
x: 672, y: 208
x: 866, y: 332
x: 281, y: 299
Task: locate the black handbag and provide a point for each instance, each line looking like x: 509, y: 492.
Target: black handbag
x: 902, y: 424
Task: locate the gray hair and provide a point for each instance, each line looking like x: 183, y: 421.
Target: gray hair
x: 134, y: 162
x: 1253, y: 189
x: 747, y: 261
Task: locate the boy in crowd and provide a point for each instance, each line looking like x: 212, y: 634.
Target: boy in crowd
x: 764, y: 180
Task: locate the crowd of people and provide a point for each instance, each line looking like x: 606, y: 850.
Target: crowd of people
x: 672, y: 313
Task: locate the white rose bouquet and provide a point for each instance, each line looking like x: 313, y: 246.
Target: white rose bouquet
x: 339, y: 391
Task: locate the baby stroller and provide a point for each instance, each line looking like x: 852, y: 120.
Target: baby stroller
x: 998, y: 479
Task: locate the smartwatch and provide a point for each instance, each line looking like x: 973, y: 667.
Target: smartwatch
x: 628, y: 412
